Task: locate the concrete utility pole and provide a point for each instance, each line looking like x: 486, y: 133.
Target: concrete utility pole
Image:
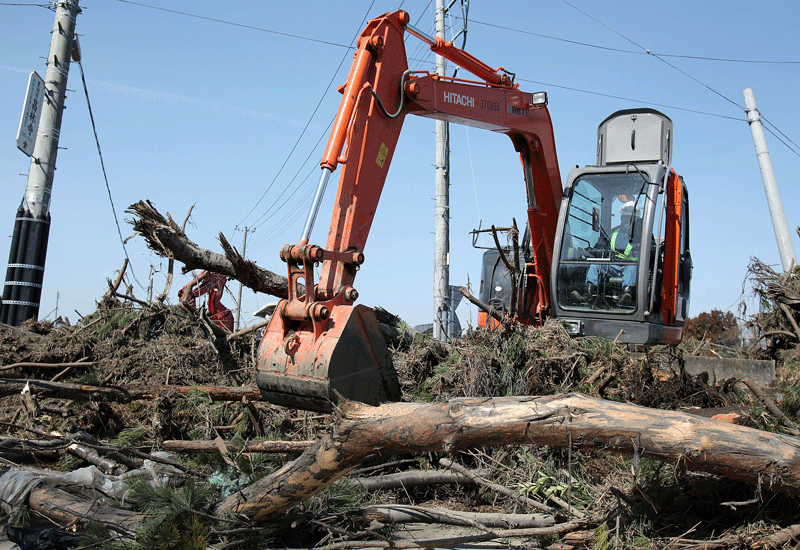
x: 779, y: 224
x: 441, y: 259
x: 25, y: 273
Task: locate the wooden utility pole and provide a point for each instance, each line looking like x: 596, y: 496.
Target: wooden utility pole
x: 239, y: 295
x: 25, y: 274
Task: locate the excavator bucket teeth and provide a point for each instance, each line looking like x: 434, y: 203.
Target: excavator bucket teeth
x: 350, y: 361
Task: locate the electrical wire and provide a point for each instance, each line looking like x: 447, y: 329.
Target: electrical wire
x: 781, y: 133
x: 20, y: 4
x: 465, y: 13
x: 426, y: 59
x: 660, y: 58
x: 634, y: 52
x: 612, y: 96
x: 105, y: 175
x: 267, y: 215
x: 242, y: 25
x: 308, y: 123
x: 779, y: 139
x: 294, y: 178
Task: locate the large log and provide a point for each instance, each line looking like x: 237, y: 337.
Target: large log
x: 691, y: 442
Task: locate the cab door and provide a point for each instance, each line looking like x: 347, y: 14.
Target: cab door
x: 677, y: 258
x: 684, y: 260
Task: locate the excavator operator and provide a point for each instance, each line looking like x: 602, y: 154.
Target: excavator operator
x: 621, y: 246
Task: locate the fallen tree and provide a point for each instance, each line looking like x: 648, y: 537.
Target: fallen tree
x: 166, y: 238
x: 364, y: 432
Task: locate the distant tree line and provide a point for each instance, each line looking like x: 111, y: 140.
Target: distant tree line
x: 719, y: 327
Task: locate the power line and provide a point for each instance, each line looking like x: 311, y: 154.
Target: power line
x: 644, y: 51
x: 256, y: 223
x: 779, y: 139
x: 612, y: 96
x: 266, y: 216
x: 20, y: 4
x: 242, y: 25
x: 105, y: 176
x: 677, y: 69
x: 726, y: 60
x: 781, y: 133
x: 620, y: 50
x: 308, y: 123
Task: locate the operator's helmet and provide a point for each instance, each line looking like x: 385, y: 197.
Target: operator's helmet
x: 628, y: 208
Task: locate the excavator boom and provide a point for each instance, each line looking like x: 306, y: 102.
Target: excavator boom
x: 319, y: 345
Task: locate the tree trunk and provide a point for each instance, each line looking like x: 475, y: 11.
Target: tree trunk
x: 67, y: 509
x: 166, y: 239
x: 692, y: 442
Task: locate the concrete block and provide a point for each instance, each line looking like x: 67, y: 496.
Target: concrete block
x: 762, y: 372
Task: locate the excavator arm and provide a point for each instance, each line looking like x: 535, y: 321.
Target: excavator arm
x: 319, y: 345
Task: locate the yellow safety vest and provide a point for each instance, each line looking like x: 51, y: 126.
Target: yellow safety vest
x: 624, y: 255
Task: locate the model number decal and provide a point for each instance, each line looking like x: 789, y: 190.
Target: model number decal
x: 490, y: 105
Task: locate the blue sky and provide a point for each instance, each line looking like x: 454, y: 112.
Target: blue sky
x: 191, y: 111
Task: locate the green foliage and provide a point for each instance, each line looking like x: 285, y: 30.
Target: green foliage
x: 173, y: 523
x: 21, y: 518
x: 186, y: 533
x: 130, y: 437
x: 121, y: 319
x: 99, y: 537
x: 342, y: 496
x: 196, y: 399
x: 68, y: 462
x: 197, y: 405
x: 545, y: 485
x: 604, y: 540
x: 791, y: 400
x: 90, y: 378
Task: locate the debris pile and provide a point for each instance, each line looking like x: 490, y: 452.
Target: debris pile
x: 140, y: 427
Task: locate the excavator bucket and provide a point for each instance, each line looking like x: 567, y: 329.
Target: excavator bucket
x: 314, y: 368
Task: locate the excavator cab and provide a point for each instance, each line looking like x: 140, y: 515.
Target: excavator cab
x: 621, y: 262
x: 621, y: 265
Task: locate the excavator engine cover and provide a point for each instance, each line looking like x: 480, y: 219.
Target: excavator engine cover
x: 349, y: 360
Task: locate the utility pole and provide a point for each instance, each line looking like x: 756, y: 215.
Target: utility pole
x: 23, y: 287
x: 441, y: 259
x: 782, y: 235
x: 239, y: 297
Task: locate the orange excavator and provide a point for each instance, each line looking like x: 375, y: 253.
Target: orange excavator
x: 320, y: 346
x: 212, y: 284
